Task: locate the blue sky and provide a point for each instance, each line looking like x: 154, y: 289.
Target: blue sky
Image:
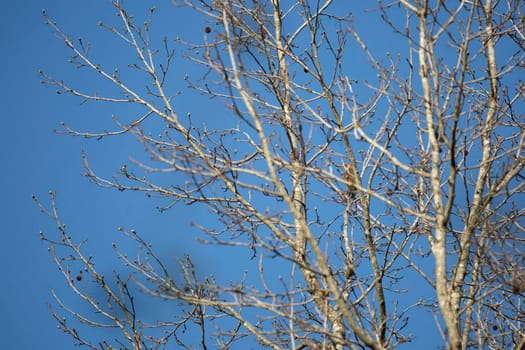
x: 36, y: 160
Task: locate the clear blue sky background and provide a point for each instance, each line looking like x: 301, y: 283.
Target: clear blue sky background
x: 35, y: 160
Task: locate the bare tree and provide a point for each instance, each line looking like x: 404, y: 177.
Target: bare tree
x: 360, y: 189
